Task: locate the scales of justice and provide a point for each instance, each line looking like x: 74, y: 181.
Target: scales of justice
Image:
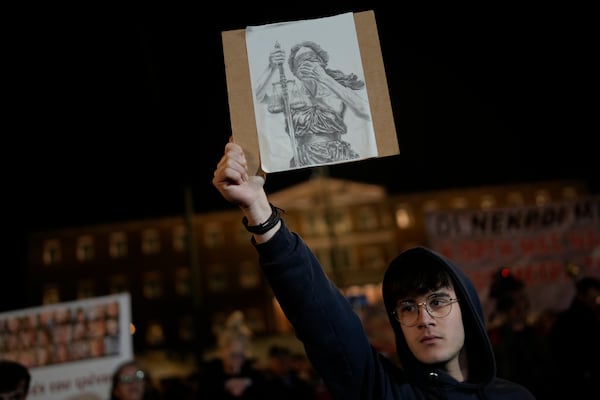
x: 287, y: 96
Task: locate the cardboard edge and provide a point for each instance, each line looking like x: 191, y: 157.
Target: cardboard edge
x: 241, y: 103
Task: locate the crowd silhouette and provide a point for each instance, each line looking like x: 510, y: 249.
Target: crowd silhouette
x: 554, y: 355
x: 548, y: 354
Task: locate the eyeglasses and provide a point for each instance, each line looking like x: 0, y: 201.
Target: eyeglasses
x: 137, y: 377
x: 438, y: 306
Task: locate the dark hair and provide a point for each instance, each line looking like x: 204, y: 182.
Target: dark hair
x: 415, y: 280
x: 12, y: 374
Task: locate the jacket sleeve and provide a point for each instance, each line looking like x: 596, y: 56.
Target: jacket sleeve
x: 323, y: 319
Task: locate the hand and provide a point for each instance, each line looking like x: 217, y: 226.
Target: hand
x: 231, y: 178
x: 276, y: 58
x: 233, y: 182
x: 309, y: 70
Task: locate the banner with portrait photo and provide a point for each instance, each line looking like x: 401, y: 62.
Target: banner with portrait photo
x: 70, y: 348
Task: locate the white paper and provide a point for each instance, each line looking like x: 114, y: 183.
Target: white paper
x: 337, y: 39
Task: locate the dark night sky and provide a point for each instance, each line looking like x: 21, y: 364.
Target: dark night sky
x: 116, y: 110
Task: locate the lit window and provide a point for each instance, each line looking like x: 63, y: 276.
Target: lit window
x: 342, y: 221
x: 403, y: 216
x: 431, y: 205
x: 213, y: 235
x: 85, y: 248
x: 50, y: 294
x: 182, y: 281
x: 180, y: 238
x: 51, y: 252
x: 542, y: 197
x: 315, y: 223
x: 152, y: 285
x: 249, y: 275
x: 459, y: 202
x: 117, y: 244
x: 155, y: 334
x: 150, y: 241
x: 367, y: 218
x: 487, y: 202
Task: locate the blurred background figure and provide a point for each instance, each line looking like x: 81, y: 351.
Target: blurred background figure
x: 575, y: 339
x: 14, y: 380
x: 522, y: 352
x: 282, y: 380
x: 130, y: 382
x: 233, y: 373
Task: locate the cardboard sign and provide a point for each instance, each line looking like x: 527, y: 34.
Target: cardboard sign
x: 240, y: 93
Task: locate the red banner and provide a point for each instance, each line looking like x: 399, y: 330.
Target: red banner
x: 542, y: 245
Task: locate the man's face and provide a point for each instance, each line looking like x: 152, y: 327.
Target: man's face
x: 436, y: 339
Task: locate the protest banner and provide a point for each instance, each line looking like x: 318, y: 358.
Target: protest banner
x: 70, y: 348
x: 546, y: 246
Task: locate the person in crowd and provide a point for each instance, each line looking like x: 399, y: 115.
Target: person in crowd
x: 282, y: 381
x: 131, y: 382
x: 522, y: 353
x: 433, y: 307
x: 575, y: 340
x: 233, y: 373
x: 14, y: 380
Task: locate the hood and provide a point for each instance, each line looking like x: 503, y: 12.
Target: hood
x: 482, y: 365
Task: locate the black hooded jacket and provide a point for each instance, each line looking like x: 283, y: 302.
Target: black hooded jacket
x: 339, y: 349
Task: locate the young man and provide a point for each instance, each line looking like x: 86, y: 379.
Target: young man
x: 14, y: 380
x: 432, y: 306
x: 521, y: 348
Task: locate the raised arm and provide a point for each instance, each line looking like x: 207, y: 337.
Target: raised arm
x: 313, y: 70
x: 233, y: 182
x: 323, y: 319
x: 269, y: 75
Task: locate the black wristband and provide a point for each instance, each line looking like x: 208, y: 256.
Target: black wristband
x: 266, y: 226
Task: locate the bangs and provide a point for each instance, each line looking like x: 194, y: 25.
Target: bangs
x: 417, y: 279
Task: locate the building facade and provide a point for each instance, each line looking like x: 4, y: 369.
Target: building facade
x: 185, y: 274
